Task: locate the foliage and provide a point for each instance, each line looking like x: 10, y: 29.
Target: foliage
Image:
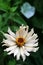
x: 10, y: 16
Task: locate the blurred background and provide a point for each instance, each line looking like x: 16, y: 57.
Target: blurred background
x: 11, y: 16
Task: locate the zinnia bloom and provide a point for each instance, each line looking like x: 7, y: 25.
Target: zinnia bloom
x: 21, y: 43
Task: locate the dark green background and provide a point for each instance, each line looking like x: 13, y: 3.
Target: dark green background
x: 11, y: 16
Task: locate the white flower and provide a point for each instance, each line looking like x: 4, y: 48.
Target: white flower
x: 20, y: 43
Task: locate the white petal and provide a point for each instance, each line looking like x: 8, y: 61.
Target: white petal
x: 17, y: 34
x: 35, y: 49
x: 16, y: 51
x: 8, y: 42
x: 31, y: 49
x: 32, y: 41
x: 25, y: 32
x: 26, y: 53
x: 22, y: 32
x: 10, y: 48
x: 29, y: 34
x: 18, y: 55
x: 22, y: 54
x: 36, y: 44
x: 9, y: 37
x: 12, y: 51
x: 22, y: 26
x: 31, y: 44
x: 28, y: 48
x: 4, y: 45
x: 10, y: 32
x: 34, y: 36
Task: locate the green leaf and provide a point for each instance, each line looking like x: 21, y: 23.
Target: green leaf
x: 1, y: 1
x: 4, y: 6
x: 38, y: 23
x: 6, y: 17
x: 2, y: 59
x: 13, y: 9
x: 4, y: 53
x: 18, y: 19
x: 39, y: 5
x: 0, y: 22
x: 4, y: 28
x: 17, y: 2
x: 14, y: 28
x: 0, y: 18
x: 37, y: 57
x: 42, y: 31
x: 12, y: 62
x: 7, y: 1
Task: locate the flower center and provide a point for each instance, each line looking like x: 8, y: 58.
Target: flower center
x: 20, y: 41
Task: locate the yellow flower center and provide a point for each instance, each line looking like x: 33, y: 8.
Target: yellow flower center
x: 20, y: 41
